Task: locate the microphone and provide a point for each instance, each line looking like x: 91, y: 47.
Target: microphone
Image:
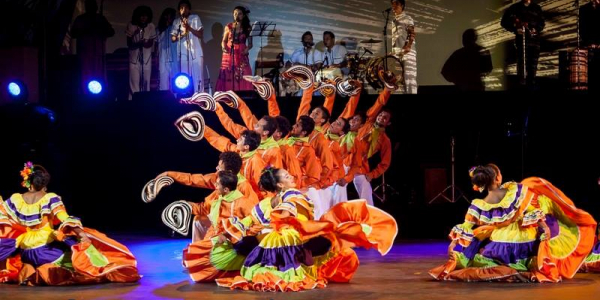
x: 368, y: 51
x: 387, y: 10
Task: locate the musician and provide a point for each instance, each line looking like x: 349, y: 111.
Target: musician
x: 141, y: 35
x: 334, y: 56
x: 403, y: 45
x: 91, y: 30
x: 305, y: 55
x: 589, y: 28
x: 188, y: 32
x: 525, y: 19
x: 589, y: 24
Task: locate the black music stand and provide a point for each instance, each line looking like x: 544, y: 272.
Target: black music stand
x: 260, y: 29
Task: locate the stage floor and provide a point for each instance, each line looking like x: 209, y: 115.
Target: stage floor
x: 402, y: 274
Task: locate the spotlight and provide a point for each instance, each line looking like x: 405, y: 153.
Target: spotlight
x: 94, y: 87
x: 14, y: 89
x: 17, y: 90
x: 182, y: 85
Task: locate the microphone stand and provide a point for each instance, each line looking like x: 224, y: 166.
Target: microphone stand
x: 141, y: 57
x: 179, y: 37
x: 232, y: 50
x: 385, y: 27
x: 577, y: 66
x: 305, y: 55
x: 326, y: 60
x: 524, y: 55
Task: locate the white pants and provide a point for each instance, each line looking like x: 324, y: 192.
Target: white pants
x: 135, y: 76
x: 321, y: 205
x: 409, y: 72
x: 339, y: 193
x: 326, y: 200
x: 165, y: 76
x: 364, y: 189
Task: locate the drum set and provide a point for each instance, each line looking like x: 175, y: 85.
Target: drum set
x: 377, y: 71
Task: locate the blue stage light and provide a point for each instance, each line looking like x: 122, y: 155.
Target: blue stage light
x: 95, y: 87
x: 17, y: 90
x: 182, y: 85
x: 14, y: 89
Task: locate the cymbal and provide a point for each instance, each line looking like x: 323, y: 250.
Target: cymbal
x: 371, y: 41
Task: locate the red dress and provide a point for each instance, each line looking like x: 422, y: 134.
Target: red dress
x: 234, y: 66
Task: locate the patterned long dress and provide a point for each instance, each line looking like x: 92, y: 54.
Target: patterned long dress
x: 234, y: 67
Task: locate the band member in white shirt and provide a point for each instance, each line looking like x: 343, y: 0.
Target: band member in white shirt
x: 404, y: 46
x: 306, y: 54
x: 141, y: 35
x: 187, y: 31
x: 331, y: 59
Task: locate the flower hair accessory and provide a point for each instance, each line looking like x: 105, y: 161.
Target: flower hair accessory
x: 26, y: 174
x: 472, y: 171
x: 478, y: 188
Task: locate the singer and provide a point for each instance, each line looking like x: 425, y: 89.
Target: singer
x: 168, y: 65
x: 140, y: 41
x: 306, y: 54
x: 236, y: 44
x: 404, y: 46
x: 187, y: 31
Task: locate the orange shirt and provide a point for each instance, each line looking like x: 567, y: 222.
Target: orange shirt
x: 383, y: 144
x: 271, y: 155
x: 240, y: 208
x: 291, y: 163
x: 321, y: 147
x: 309, y: 164
x: 252, y: 164
x: 338, y: 161
x: 208, y: 182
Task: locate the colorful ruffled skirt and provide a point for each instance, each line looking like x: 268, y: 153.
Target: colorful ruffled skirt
x: 67, y: 262
x: 515, y: 253
x: 301, y: 255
